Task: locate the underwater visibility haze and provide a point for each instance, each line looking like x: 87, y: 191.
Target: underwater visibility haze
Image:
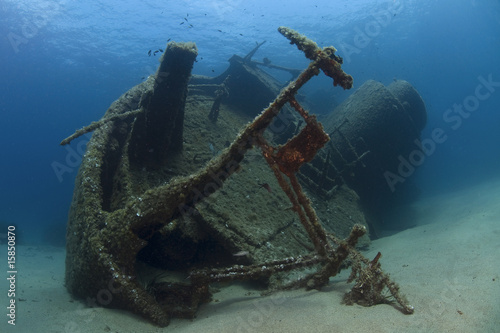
x: 413, y: 158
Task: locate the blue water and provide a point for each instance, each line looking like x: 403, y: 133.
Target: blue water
x: 64, y: 62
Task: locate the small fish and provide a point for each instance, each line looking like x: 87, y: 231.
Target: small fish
x: 161, y: 50
x: 149, y: 53
x: 186, y: 19
x: 266, y: 186
x: 240, y: 254
x: 181, y: 23
x: 155, y: 52
x: 212, y: 149
x: 168, y: 40
x: 219, y: 30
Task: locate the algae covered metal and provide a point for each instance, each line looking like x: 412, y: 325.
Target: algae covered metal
x: 156, y: 219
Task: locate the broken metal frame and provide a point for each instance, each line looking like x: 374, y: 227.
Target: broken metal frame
x: 285, y: 162
x: 328, y: 181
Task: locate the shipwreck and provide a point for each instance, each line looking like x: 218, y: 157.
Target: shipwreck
x: 187, y: 182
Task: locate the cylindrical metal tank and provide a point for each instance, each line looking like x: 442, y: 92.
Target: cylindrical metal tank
x: 368, y: 131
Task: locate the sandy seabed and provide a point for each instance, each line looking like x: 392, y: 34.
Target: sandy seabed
x: 448, y: 266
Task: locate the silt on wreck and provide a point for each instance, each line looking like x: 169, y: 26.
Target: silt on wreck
x: 171, y: 196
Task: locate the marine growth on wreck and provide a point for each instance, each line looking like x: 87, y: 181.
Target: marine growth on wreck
x: 171, y: 198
